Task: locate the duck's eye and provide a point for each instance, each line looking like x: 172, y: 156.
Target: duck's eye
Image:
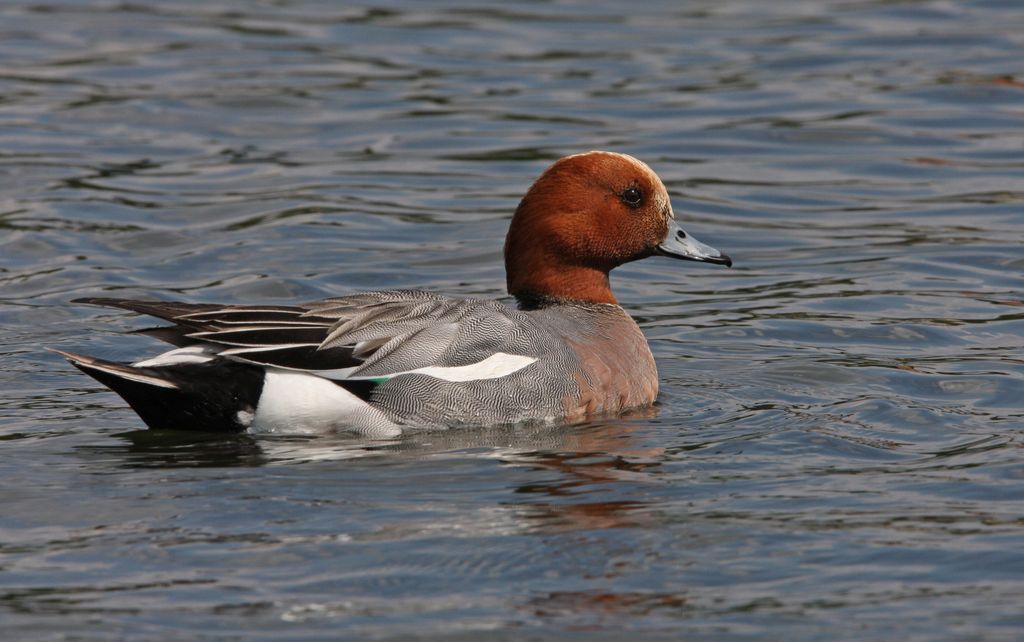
x: 632, y: 196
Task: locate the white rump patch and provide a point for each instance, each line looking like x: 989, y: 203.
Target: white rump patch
x: 191, y: 354
x: 301, y: 403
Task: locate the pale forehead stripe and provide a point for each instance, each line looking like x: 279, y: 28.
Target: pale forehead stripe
x: 661, y: 197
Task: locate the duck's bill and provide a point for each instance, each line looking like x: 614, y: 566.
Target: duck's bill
x: 680, y: 245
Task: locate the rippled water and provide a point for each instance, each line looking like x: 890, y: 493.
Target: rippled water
x: 837, y: 452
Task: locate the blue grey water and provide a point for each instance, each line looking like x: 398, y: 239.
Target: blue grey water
x: 838, y: 449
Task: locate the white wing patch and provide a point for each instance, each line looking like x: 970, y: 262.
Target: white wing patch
x: 495, y: 366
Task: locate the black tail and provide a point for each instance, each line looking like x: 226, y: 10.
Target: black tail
x: 219, y: 395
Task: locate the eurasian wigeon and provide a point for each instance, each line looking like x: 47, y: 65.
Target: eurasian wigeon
x: 381, y: 363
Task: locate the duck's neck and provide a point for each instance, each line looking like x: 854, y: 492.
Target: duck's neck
x: 552, y: 254
x: 544, y: 282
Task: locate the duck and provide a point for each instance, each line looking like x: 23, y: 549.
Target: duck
x: 386, y: 362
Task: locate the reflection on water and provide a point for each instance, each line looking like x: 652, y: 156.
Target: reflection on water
x: 837, y: 441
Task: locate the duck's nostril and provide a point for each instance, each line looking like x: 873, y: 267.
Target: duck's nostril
x: 680, y: 234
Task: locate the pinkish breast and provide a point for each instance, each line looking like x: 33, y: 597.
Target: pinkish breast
x: 617, y: 367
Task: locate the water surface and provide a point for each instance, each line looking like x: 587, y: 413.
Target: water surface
x: 837, y: 449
